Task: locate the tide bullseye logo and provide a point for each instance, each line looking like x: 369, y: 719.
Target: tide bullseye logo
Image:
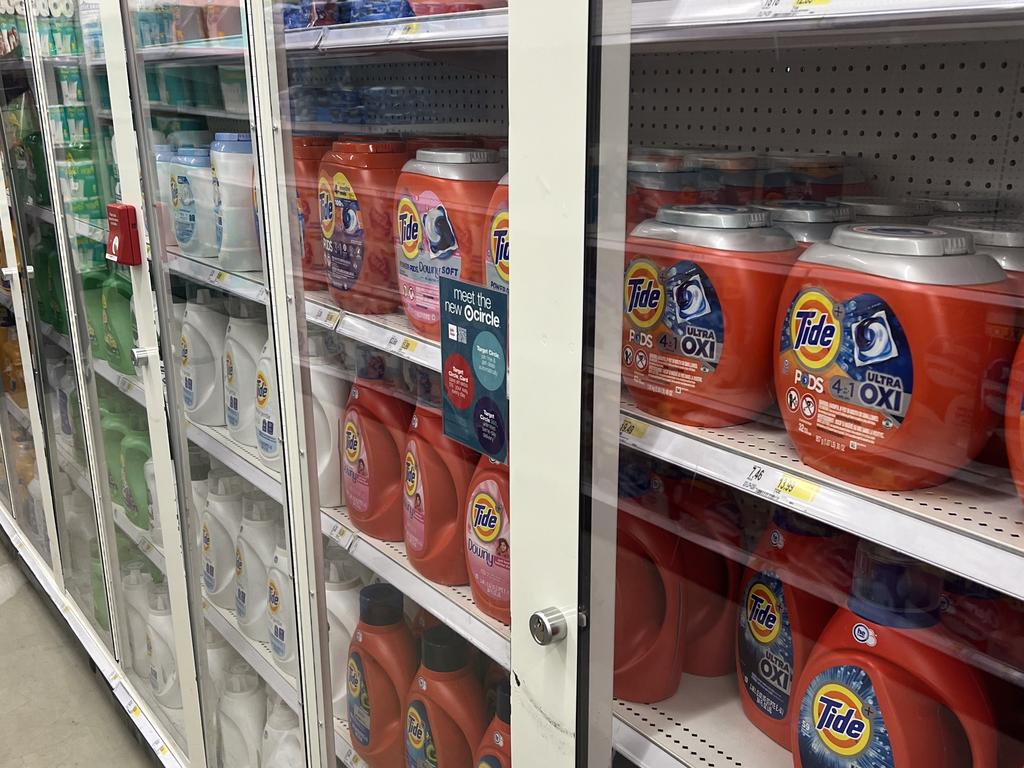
x: 415, y: 729
x: 645, y: 295
x: 499, y: 244
x: 229, y: 367
x: 273, y: 597
x: 814, y: 329
x: 326, y: 198
x: 839, y: 720
x: 183, y: 349
x: 355, y: 677
x: 412, y: 474
x: 262, y: 389
x: 351, y: 441
x: 410, y: 231
x: 486, y: 519
x: 762, y: 613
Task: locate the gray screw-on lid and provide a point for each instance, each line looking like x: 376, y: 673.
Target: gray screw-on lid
x: 963, y: 204
x: 730, y: 161
x: 809, y: 211
x: 459, y: 164
x: 896, y: 207
x: 653, y: 164
x: 1002, y: 238
x: 722, y: 227
x: 925, y: 255
x: 714, y: 216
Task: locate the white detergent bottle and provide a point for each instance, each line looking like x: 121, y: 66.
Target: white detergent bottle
x: 243, y: 342
x: 163, y: 664
x: 219, y: 658
x: 236, y: 236
x: 200, y: 466
x: 221, y: 520
x: 343, y: 579
x: 135, y: 585
x: 201, y: 354
x: 282, y: 740
x: 149, y: 472
x: 328, y: 396
x: 242, y: 717
x: 67, y: 395
x: 281, y: 608
x: 268, y: 420
x: 254, y: 557
x: 192, y: 202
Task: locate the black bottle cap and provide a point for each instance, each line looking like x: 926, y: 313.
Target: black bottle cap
x: 504, y: 710
x: 444, y: 650
x: 380, y: 605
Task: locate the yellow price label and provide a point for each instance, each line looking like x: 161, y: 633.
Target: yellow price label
x: 797, y: 487
x: 632, y: 428
x: 222, y: 276
x: 136, y: 712
x: 409, y: 345
x: 798, y: 4
x: 332, y: 317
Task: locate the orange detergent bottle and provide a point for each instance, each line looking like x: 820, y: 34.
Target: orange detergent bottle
x: 374, y: 425
x: 444, y: 709
x: 1003, y: 240
x: 488, y: 526
x: 780, y: 619
x: 497, y: 251
x: 877, y: 692
x: 495, y: 750
x: 356, y: 193
x: 382, y: 660
x: 440, y: 211
x: 701, y: 287
x: 437, y: 475
x: 884, y: 345
x: 307, y: 152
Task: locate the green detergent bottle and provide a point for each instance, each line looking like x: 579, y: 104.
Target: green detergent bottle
x: 118, y: 322
x: 42, y: 264
x: 39, y: 185
x: 99, y: 590
x: 94, y: 277
x: 115, y: 427
x: 135, y: 452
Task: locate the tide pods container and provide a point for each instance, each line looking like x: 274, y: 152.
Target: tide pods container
x: 701, y: 286
x: 884, y: 338
x: 440, y: 213
x: 808, y: 221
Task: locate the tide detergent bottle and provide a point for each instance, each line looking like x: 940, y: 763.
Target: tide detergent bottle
x: 497, y: 237
x: 780, y: 619
x: 440, y: 210
x: 382, y: 660
x: 201, y: 354
x: 356, y: 194
x: 495, y: 750
x: 437, y: 475
x: 243, y: 341
x: 488, y: 529
x: 877, y: 692
x: 444, y: 708
x: 884, y: 347
x: 374, y: 427
x: 119, y: 329
x: 329, y: 392
x: 307, y: 152
x: 701, y: 287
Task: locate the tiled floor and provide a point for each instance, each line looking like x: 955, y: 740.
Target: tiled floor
x: 53, y: 710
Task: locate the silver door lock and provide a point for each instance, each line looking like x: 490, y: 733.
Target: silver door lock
x: 548, y: 626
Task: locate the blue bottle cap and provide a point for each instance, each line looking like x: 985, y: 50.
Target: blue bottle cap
x: 634, y: 475
x: 894, y: 590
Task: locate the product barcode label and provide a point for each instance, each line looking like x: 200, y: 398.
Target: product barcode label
x: 778, y: 486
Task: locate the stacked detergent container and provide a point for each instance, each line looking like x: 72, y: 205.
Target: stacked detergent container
x: 657, y: 179
x: 876, y: 690
x: 1003, y: 240
x: 255, y: 544
x: 440, y: 212
x: 488, y: 539
x: 244, y: 340
x: 357, y: 198
x: 221, y: 520
x: 307, y: 152
x: 883, y: 352
x: 201, y: 355
x: 236, y: 238
x: 807, y: 221
x: 886, y: 210
x: 701, y: 286
x: 192, y: 202
x: 281, y: 607
x: 497, y: 236
x: 241, y: 717
x: 329, y: 393
x: 797, y: 576
x: 343, y: 581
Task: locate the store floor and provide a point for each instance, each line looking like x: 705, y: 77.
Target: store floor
x: 53, y: 710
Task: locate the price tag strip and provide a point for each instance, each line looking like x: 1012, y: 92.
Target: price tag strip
x: 326, y: 317
x: 393, y: 340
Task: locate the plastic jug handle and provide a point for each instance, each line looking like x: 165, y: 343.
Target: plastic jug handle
x: 976, y: 716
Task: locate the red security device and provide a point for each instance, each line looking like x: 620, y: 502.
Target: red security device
x: 123, y: 240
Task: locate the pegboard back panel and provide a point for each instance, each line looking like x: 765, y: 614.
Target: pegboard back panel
x: 928, y: 119
x: 474, y: 95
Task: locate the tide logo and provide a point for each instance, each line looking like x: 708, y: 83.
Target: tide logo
x: 351, y: 441
x: 262, y: 389
x: 839, y: 720
x: 326, y: 199
x: 239, y: 562
x: 499, y: 244
x: 408, y: 227
x: 763, y: 614
x: 411, y: 474
x: 273, y: 597
x: 814, y: 330
x: 183, y: 348
x: 229, y: 368
x: 485, y: 518
x: 355, y: 677
x: 206, y: 538
x: 415, y: 728
x: 644, y: 294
